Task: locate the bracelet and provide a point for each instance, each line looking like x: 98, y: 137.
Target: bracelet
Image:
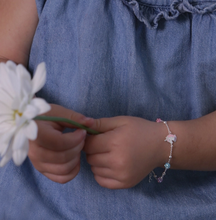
x: 170, y: 138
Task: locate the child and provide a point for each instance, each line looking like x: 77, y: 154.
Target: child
x: 146, y: 59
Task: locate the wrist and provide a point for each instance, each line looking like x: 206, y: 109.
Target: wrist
x: 170, y: 138
x: 162, y: 147
x: 184, y: 147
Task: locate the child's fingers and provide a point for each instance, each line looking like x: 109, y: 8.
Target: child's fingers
x: 103, y: 172
x: 106, y: 124
x: 95, y: 144
x: 100, y: 160
x: 49, y: 156
x: 59, y: 111
x: 109, y: 130
x: 58, y: 169
x: 109, y: 183
x: 63, y: 178
x: 52, y: 139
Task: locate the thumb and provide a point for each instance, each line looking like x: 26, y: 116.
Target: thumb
x: 106, y: 124
x: 59, y: 111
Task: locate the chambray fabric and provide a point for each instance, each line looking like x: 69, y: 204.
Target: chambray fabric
x: 146, y: 58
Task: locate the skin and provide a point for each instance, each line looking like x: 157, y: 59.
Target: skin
x: 128, y: 149
x: 17, y: 27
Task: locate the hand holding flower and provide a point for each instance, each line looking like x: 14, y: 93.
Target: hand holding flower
x: 55, y: 154
x: 18, y: 110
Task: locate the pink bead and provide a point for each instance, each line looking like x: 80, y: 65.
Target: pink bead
x: 158, y: 120
x: 160, y: 179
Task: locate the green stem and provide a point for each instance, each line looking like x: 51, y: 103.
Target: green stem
x: 78, y: 125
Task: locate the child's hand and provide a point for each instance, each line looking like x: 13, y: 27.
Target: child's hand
x: 54, y: 154
x: 128, y: 149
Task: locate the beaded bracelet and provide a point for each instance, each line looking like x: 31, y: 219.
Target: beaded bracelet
x: 171, y: 138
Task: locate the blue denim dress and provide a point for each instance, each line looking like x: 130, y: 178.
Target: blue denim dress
x: 146, y: 58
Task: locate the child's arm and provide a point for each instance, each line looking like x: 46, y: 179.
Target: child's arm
x: 130, y: 148
x: 18, y: 21
x: 54, y: 154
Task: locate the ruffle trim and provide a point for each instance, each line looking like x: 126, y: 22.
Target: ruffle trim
x: 151, y: 14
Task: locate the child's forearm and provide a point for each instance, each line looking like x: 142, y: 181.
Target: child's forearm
x: 18, y: 21
x: 195, y: 148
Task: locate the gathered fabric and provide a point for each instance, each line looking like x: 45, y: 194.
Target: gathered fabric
x: 150, y: 14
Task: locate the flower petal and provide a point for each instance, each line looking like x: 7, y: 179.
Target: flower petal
x: 6, y: 157
x: 20, y: 155
x: 5, y: 110
x: 11, y: 84
x: 30, y: 112
x: 40, y: 104
x: 3, y: 148
x: 19, y: 121
x: 5, y: 98
x: 31, y: 130
x: 19, y: 139
x: 7, y: 135
x: 11, y: 65
x: 26, y: 88
x: 39, y: 78
x: 23, y: 103
x: 6, y: 79
x: 12, y: 80
x: 23, y: 73
x: 25, y: 82
x: 15, y: 103
x: 4, y: 118
x: 6, y: 127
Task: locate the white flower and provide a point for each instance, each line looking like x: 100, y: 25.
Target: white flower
x: 18, y: 108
